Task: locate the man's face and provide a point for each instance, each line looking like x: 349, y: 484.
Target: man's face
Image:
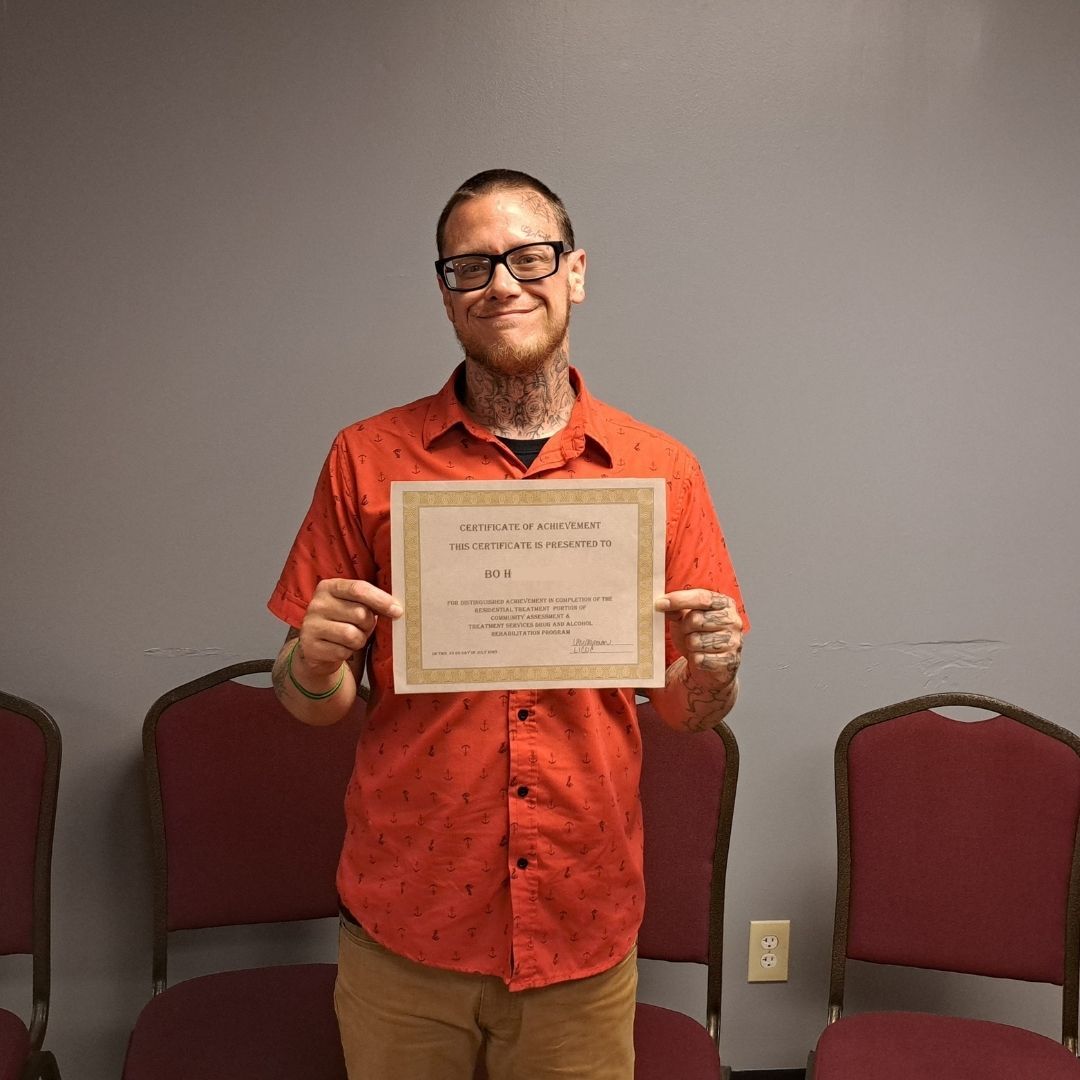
x: 510, y: 327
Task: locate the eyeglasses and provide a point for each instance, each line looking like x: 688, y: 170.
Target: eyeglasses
x: 529, y: 262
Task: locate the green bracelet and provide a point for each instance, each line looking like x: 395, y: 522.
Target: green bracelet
x: 307, y: 693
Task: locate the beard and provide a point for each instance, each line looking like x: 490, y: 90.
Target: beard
x: 506, y: 358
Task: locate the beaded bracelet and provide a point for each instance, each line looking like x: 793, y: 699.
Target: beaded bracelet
x: 307, y: 693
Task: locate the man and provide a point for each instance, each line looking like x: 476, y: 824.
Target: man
x: 491, y: 875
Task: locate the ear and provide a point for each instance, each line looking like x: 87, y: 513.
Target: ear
x: 575, y: 275
x: 445, y: 298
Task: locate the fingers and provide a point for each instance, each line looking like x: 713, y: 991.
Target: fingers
x: 723, y: 641
x: 715, y: 657
x: 340, y: 619
x: 718, y: 642
x: 724, y: 666
x: 363, y: 593
x: 707, y: 630
x: 700, y: 609
x: 694, y: 599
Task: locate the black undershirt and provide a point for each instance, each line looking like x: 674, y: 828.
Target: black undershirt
x: 525, y: 450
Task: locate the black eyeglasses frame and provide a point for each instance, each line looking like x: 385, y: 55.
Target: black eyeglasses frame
x: 559, y: 247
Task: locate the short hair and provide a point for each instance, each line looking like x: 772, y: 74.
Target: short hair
x: 483, y: 183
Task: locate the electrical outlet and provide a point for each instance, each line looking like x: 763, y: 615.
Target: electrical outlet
x: 769, y: 946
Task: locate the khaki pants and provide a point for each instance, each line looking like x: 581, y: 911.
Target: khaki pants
x: 401, y: 1020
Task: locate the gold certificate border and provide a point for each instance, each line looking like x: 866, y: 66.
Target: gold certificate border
x: 414, y: 501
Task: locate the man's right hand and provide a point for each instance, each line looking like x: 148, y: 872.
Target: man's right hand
x: 318, y: 670
x: 338, y: 623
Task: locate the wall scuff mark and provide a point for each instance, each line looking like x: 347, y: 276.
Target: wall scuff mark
x: 177, y: 654
x: 936, y: 660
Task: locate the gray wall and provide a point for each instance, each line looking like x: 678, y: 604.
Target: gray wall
x: 834, y: 245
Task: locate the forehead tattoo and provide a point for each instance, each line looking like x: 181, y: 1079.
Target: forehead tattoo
x: 536, y: 204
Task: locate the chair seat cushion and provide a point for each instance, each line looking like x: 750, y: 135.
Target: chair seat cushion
x: 670, y: 1044
x: 274, y: 1023
x: 14, y: 1045
x: 899, y: 1046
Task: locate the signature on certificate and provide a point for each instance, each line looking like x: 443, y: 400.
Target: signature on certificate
x: 603, y: 645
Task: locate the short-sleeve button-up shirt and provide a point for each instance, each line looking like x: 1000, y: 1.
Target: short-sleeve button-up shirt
x: 487, y: 832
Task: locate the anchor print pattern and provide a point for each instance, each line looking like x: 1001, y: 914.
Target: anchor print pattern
x: 495, y: 832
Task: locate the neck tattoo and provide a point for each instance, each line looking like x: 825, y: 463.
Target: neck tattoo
x: 530, y: 405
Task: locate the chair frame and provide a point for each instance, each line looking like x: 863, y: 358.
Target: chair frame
x: 718, y: 886
x: 41, y: 1066
x: 41, y: 978
x: 1071, y: 982
x: 156, y: 808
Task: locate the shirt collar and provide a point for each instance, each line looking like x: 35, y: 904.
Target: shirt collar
x: 587, y: 419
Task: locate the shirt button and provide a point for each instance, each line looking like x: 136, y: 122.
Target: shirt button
x: 523, y: 791
x: 523, y: 714
x: 523, y: 864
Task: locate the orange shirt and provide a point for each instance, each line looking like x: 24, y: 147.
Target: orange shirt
x: 497, y: 833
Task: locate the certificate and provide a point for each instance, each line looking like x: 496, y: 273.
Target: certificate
x: 515, y: 584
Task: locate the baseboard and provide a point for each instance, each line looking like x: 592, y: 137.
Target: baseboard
x: 769, y: 1074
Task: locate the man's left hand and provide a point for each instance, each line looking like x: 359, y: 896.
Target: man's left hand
x: 707, y: 630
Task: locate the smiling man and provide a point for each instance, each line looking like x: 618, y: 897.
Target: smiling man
x: 491, y: 875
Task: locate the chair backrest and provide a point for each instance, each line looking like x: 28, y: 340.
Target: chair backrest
x: 688, y: 786
x: 246, y: 806
x: 29, y: 780
x: 958, y: 844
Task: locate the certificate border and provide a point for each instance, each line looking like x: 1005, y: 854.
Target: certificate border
x: 412, y: 502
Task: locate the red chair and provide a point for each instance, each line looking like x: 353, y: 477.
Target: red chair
x: 688, y: 797
x: 246, y: 812
x: 29, y: 779
x: 958, y: 851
